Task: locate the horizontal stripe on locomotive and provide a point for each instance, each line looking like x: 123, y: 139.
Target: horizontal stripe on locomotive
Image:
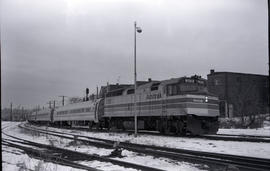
x: 158, y: 112
x: 76, y: 117
x: 74, y: 111
x: 168, y: 106
x: 167, y: 101
x: 203, y: 112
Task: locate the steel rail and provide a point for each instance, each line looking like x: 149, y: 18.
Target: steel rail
x: 243, y: 135
x: 222, y: 137
x: 48, y: 157
x: 250, y: 163
x: 89, y: 156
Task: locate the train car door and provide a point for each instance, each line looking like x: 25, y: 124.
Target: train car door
x: 99, y: 109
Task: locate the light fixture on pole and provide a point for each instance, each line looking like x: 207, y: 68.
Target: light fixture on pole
x: 139, y: 30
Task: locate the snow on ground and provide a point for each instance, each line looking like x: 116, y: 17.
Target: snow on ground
x: 14, y: 159
x: 228, y: 147
x: 265, y: 131
x: 255, y: 132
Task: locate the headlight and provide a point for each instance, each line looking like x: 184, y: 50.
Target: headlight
x: 206, y: 99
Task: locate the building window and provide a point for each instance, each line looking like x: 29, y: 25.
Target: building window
x: 216, y: 82
x: 238, y: 79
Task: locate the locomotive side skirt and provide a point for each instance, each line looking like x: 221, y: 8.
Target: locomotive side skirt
x: 178, y: 106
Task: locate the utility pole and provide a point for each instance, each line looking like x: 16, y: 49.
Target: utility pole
x: 63, y: 100
x: 50, y: 104
x: 97, y: 93
x: 22, y: 114
x: 268, y: 6
x: 11, y: 111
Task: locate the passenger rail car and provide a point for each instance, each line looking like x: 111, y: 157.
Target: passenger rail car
x: 81, y: 113
x: 44, y: 115
x: 32, y: 116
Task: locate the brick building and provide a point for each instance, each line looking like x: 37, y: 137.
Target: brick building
x: 240, y: 93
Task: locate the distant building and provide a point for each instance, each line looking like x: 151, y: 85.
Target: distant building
x: 240, y: 93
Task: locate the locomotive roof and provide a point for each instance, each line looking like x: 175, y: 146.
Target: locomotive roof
x: 123, y: 89
x: 147, y: 85
x: 140, y: 87
x: 176, y: 80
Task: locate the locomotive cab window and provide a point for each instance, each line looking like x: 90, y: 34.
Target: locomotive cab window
x: 154, y: 86
x: 130, y: 91
x: 185, y: 86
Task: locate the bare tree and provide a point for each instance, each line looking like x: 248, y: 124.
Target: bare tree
x: 247, y: 101
x: 75, y: 100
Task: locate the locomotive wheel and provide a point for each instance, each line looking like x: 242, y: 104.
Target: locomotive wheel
x: 180, y: 128
x: 90, y: 125
x: 163, y: 127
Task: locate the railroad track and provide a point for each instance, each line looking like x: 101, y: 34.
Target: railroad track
x: 240, y: 162
x: 42, y: 151
x: 222, y: 137
x: 242, y: 138
x: 242, y: 135
x: 46, y: 155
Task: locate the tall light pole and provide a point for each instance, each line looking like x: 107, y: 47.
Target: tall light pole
x: 268, y: 6
x: 139, y: 30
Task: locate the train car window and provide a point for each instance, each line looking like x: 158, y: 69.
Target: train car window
x: 115, y: 93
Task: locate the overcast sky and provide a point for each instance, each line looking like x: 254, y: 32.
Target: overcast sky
x: 60, y: 47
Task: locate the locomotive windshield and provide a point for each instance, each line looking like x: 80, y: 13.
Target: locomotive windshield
x: 186, y: 85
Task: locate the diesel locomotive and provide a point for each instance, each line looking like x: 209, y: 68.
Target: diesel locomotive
x: 178, y: 105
